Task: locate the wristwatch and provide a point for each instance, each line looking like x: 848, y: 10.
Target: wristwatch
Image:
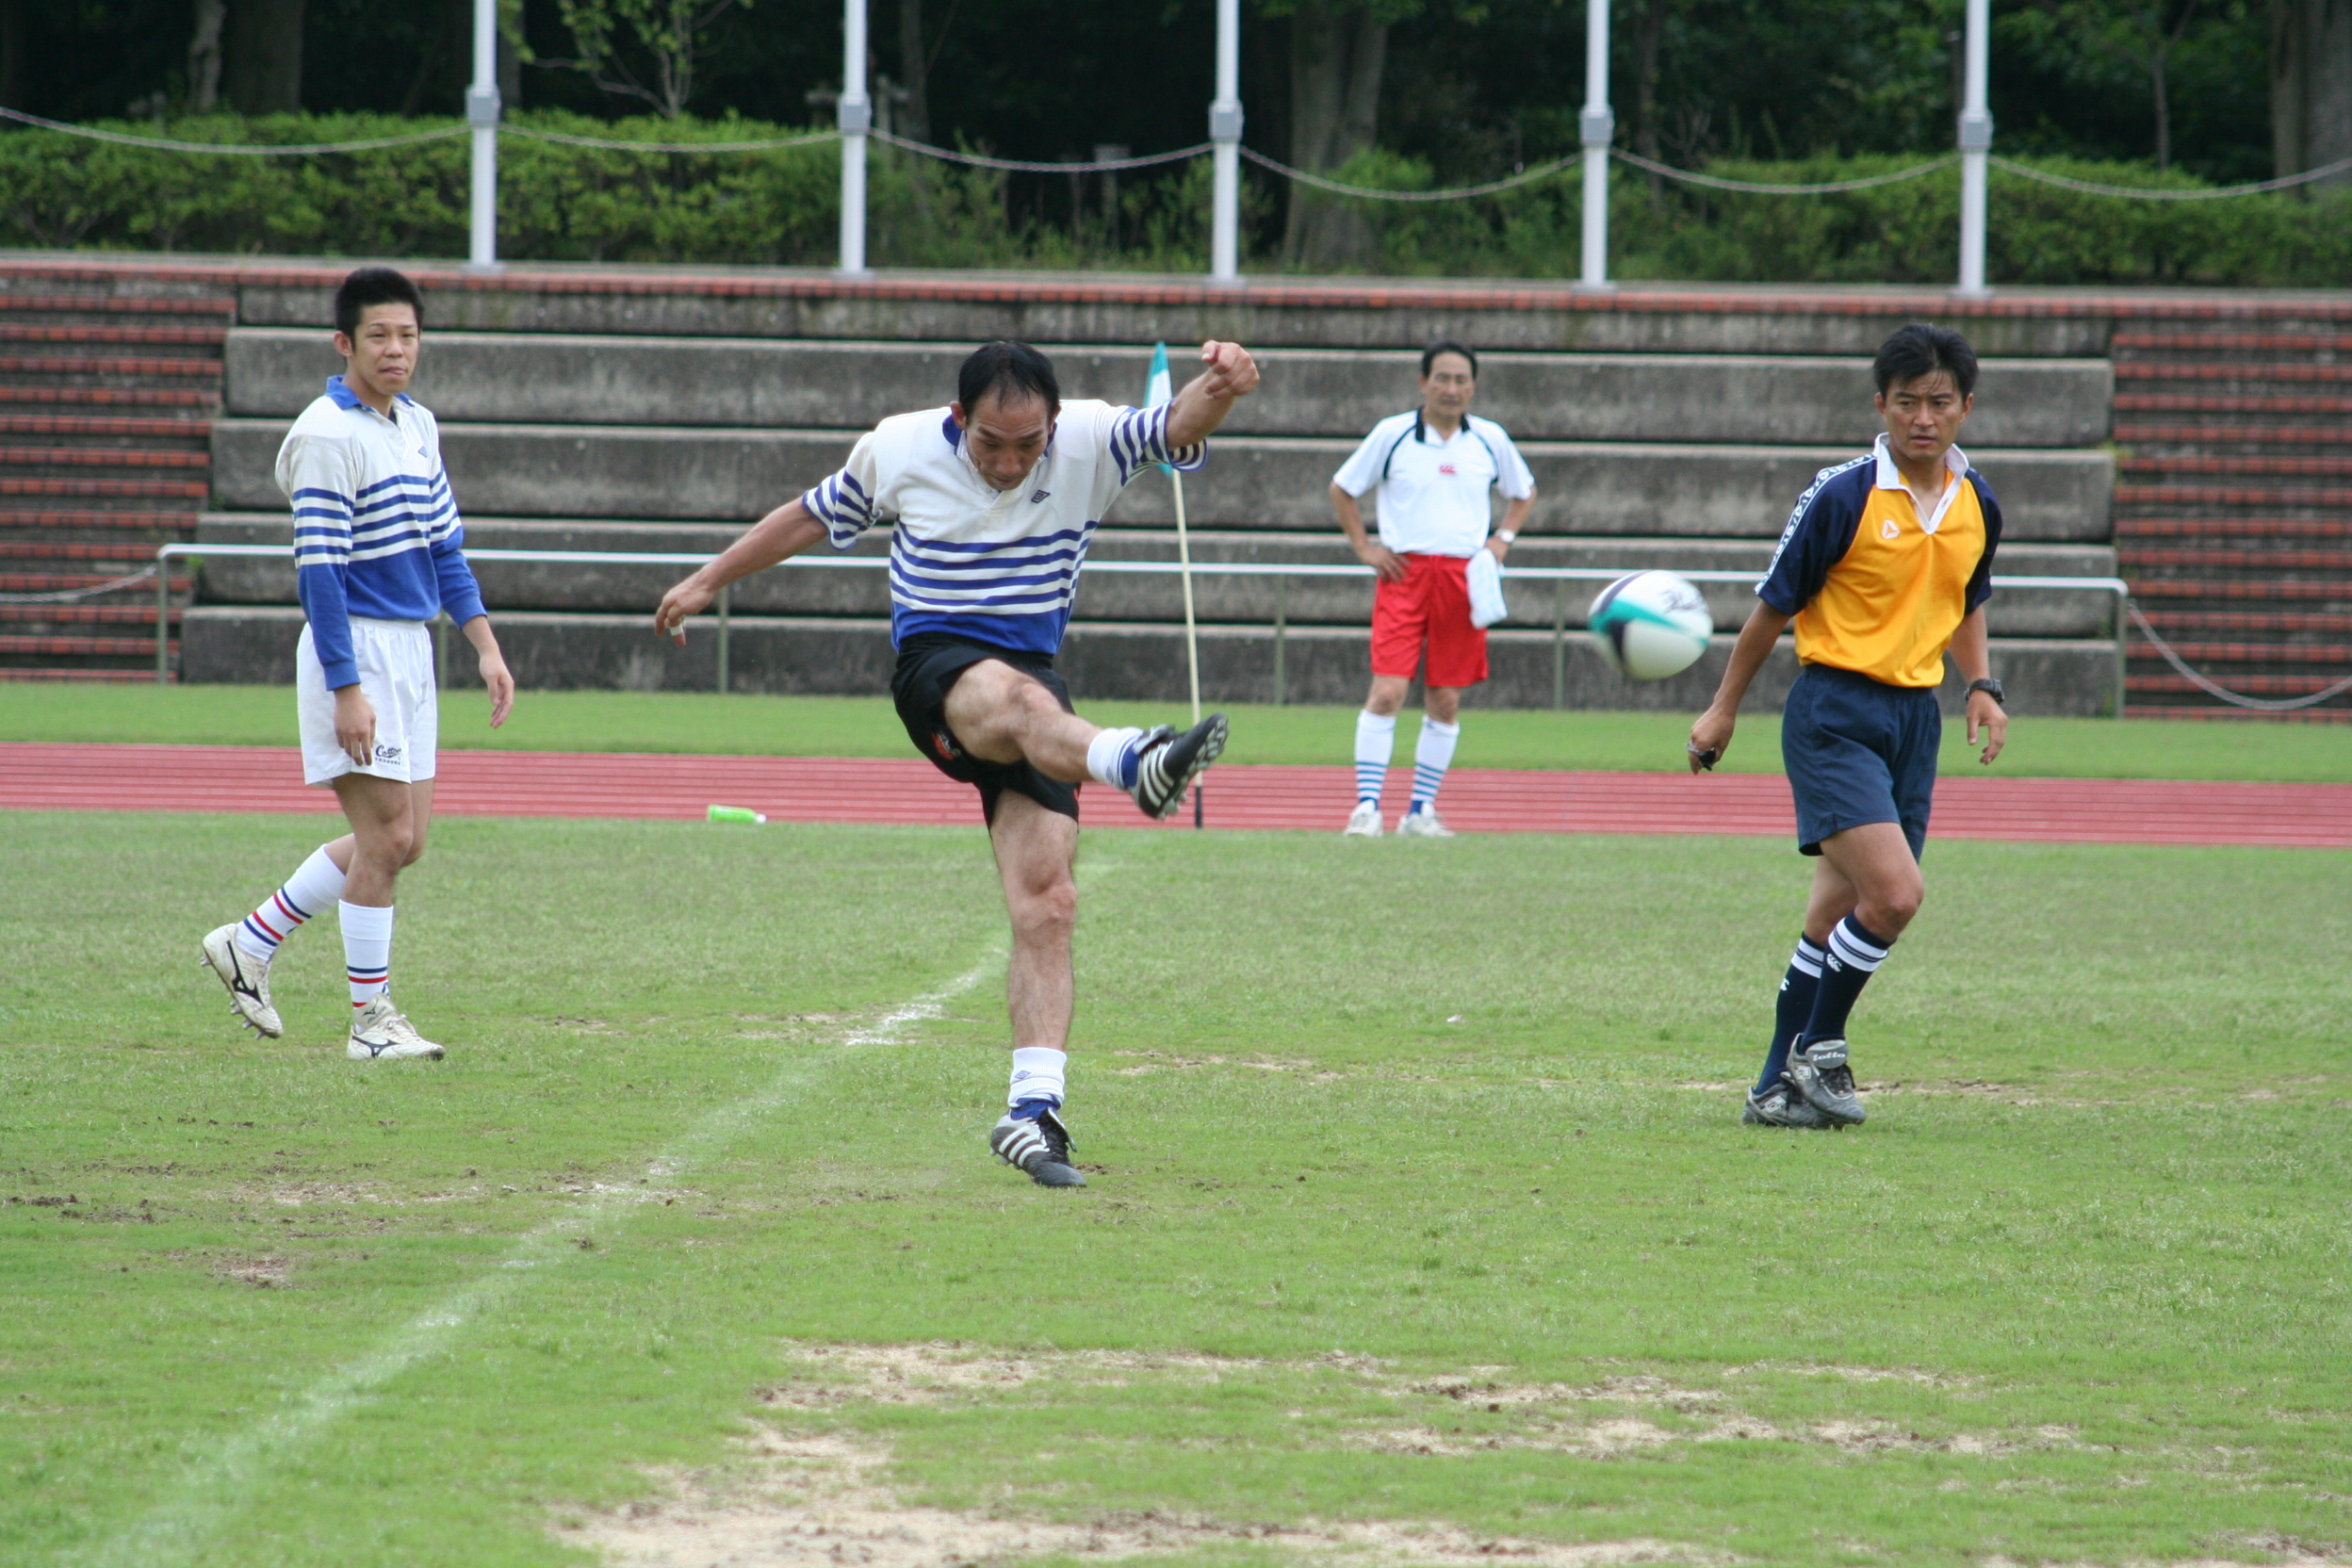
x: 1990, y: 688
x: 1505, y: 534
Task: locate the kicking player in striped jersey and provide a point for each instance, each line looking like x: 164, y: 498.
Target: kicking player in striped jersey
x: 378, y: 553
x: 995, y: 498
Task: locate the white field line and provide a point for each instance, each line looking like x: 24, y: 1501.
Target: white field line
x: 219, y: 1485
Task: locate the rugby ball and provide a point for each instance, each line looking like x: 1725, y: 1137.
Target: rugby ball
x: 1651, y: 625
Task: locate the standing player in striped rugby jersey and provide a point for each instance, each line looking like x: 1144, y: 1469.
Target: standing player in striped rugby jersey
x: 995, y: 498
x: 378, y: 553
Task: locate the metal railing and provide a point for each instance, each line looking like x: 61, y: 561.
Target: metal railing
x: 1280, y: 572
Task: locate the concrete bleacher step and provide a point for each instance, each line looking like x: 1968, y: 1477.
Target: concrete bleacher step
x: 577, y: 380
x: 814, y: 589
x: 1102, y: 660
x: 1250, y: 481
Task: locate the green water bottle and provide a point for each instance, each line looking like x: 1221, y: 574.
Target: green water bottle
x: 736, y: 814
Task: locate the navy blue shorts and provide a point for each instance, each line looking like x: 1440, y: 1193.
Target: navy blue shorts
x: 1859, y: 751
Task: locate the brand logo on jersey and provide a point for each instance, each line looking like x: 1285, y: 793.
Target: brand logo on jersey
x: 387, y: 754
x: 1890, y: 529
x: 1447, y: 470
x: 944, y: 744
x: 1039, y: 496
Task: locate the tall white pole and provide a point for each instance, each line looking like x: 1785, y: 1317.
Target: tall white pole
x: 1225, y: 131
x: 1976, y: 146
x: 481, y: 113
x: 855, y: 115
x: 1599, y: 127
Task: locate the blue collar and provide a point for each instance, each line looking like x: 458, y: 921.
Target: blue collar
x: 344, y: 398
x: 948, y: 427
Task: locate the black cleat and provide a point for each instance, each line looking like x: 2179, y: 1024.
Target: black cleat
x: 1038, y: 1147
x: 1781, y: 1106
x: 1818, y: 1070
x: 1170, y: 762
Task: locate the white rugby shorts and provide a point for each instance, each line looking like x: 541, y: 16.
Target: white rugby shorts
x: 395, y: 661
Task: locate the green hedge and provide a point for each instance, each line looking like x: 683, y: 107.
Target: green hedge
x: 569, y: 203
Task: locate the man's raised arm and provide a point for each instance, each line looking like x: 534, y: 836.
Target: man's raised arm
x: 778, y: 536
x: 1207, y: 398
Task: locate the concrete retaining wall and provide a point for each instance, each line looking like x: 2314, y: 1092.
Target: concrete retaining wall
x: 815, y: 589
x: 1264, y: 312
x: 568, y: 378
x: 1250, y: 481
x: 1105, y: 660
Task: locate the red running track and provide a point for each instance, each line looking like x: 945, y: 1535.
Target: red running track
x: 907, y: 789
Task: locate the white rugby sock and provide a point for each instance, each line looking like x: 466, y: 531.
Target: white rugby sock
x: 1430, y: 758
x: 367, y: 949
x: 316, y: 884
x: 1375, y: 739
x: 1111, y: 757
x: 1037, y: 1071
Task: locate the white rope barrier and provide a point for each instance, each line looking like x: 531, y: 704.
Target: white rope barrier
x: 617, y: 144
x: 1022, y: 165
x: 235, y: 149
x: 1830, y: 187
x: 1542, y: 171
x: 2260, y: 705
x: 67, y: 596
x: 2144, y: 193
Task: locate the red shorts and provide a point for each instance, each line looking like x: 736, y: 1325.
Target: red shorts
x: 1431, y: 605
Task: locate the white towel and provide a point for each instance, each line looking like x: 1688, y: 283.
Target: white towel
x: 1486, y: 590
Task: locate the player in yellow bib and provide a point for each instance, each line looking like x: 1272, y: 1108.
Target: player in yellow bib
x: 1885, y: 566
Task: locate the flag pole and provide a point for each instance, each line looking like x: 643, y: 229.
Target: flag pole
x: 1160, y: 388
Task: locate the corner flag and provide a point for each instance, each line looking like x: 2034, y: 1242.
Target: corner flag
x: 1157, y: 390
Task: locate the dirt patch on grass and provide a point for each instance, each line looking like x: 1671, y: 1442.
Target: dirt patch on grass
x: 260, y: 1273
x: 817, y: 1503
x: 1617, y: 1436
x: 1143, y: 1062
x: 941, y: 1370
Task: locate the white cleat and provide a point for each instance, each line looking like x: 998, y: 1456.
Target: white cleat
x: 248, y: 979
x: 1365, y: 821
x: 1423, y: 824
x: 381, y: 1032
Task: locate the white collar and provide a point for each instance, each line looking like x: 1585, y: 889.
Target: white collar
x: 1891, y: 478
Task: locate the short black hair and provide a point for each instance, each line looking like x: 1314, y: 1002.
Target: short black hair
x: 373, y: 285
x: 1447, y: 346
x: 1014, y: 365
x: 1922, y: 349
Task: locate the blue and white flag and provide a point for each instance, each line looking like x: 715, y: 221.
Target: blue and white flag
x: 1157, y: 389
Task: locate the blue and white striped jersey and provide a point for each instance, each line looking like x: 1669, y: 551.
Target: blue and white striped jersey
x: 997, y: 566
x: 376, y: 531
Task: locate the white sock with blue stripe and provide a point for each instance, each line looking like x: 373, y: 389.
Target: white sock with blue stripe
x: 1112, y: 758
x: 1376, y: 738
x: 315, y: 882
x: 1431, y: 760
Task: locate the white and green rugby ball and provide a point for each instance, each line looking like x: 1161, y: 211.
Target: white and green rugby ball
x: 1651, y: 625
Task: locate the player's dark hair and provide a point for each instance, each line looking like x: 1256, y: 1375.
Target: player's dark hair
x: 1009, y: 369
x: 373, y: 285
x: 1447, y: 346
x: 1921, y: 350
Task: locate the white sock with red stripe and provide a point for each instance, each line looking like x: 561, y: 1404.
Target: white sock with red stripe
x: 367, y: 949
x: 315, y: 882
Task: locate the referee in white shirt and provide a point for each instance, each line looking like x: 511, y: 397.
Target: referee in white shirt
x: 1433, y: 468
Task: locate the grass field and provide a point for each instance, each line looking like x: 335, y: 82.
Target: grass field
x: 1421, y: 1222
x: 866, y: 726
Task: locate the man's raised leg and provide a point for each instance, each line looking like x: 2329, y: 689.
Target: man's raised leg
x: 1001, y: 714
x: 388, y: 821
x: 1036, y: 850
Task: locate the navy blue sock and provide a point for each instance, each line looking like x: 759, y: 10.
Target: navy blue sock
x: 1792, y: 1011
x: 1854, y: 954
x: 1029, y: 1110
